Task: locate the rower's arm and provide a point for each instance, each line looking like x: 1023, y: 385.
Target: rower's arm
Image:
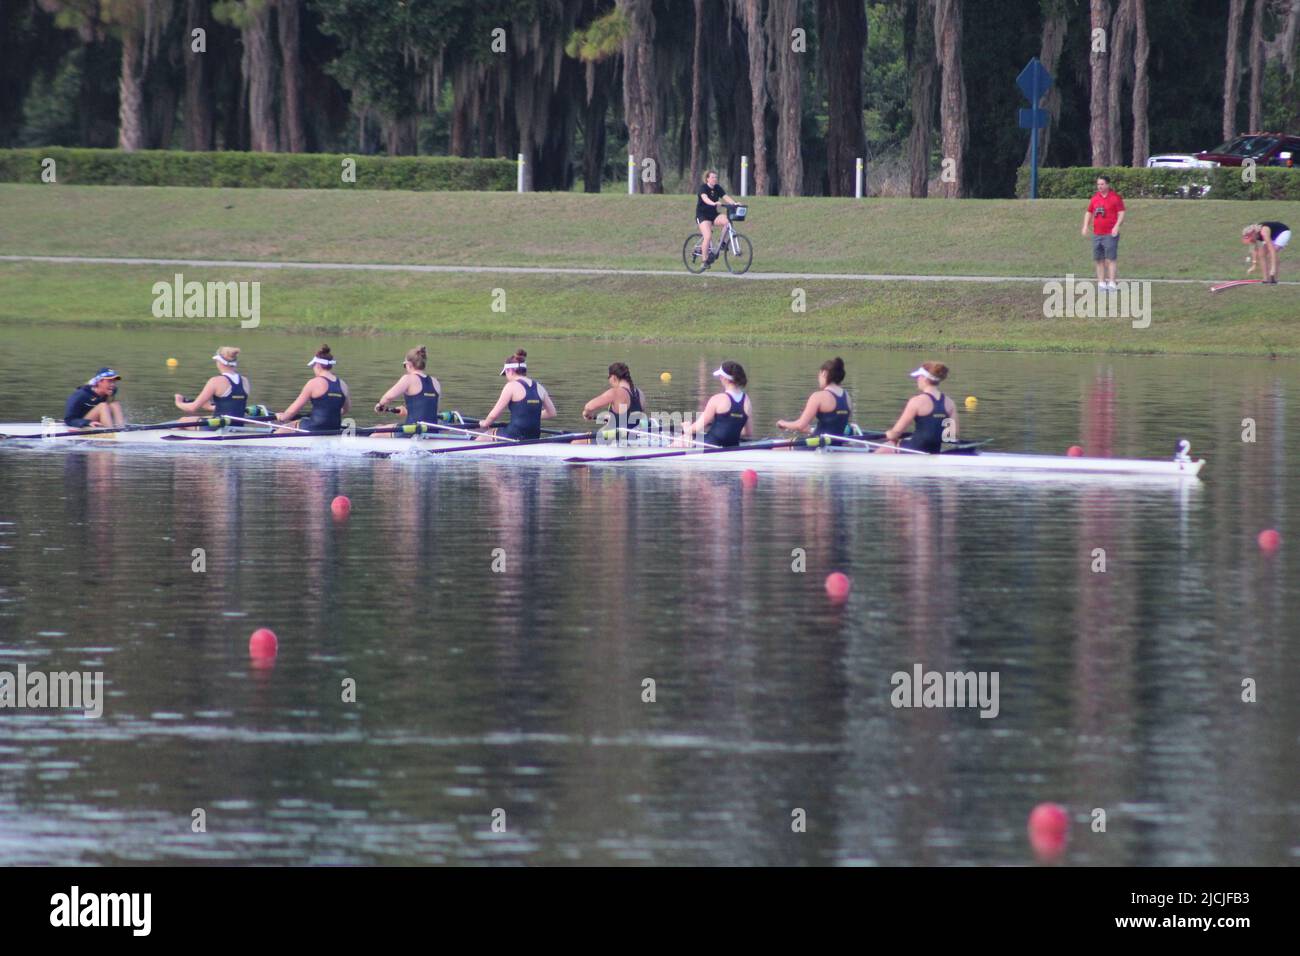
x: 303, y: 398
x: 804, y: 422
x: 398, y: 389
x: 904, y: 421
x: 347, y: 397
x: 602, y: 400
x: 548, y: 407
x: 748, y: 430
x: 203, y: 401
x: 951, y: 411
x: 703, y: 421
x: 498, y: 408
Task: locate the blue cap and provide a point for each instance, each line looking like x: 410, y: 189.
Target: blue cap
x: 102, y: 374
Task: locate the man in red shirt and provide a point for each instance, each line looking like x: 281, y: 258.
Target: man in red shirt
x: 1106, y: 210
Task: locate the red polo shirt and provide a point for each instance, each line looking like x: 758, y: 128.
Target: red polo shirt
x: 1105, y: 212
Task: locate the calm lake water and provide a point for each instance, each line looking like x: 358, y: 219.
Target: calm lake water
x: 522, y: 690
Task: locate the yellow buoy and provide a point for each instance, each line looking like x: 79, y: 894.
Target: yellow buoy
x: 172, y: 363
x: 666, y: 376
x: 971, y: 402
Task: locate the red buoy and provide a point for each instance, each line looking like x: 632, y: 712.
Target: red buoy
x: 838, y: 586
x: 1269, y: 540
x: 749, y: 478
x: 341, y: 506
x: 263, y: 643
x: 1074, y: 451
x: 1049, y: 827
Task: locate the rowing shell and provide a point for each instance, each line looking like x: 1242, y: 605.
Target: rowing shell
x: 837, y: 460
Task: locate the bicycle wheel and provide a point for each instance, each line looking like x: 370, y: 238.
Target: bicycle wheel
x: 739, y: 253
x: 692, y: 254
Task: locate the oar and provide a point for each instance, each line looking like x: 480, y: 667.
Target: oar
x: 752, y: 446
x: 483, y: 446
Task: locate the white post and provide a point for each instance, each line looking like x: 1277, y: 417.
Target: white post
x: 519, y: 179
x: 631, y: 175
x: 744, y: 175
x: 858, y: 188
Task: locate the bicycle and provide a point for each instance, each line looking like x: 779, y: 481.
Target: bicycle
x: 737, y: 250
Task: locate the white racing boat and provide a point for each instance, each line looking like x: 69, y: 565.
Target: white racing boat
x: 760, y: 455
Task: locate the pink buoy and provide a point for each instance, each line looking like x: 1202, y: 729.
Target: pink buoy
x: 263, y: 644
x: 1049, y: 828
x: 1269, y: 540
x: 1074, y: 451
x: 341, y: 506
x: 749, y: 478
x: 838, y: 586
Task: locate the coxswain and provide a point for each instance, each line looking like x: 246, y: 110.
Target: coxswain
x: 94, y: 405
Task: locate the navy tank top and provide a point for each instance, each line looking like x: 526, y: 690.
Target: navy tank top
x: 927, y: 430
x: 836, y: 421
x: 235, y: 402
x: 726, y: 428
x: 327, y: 411
x: 423, y: 406
x: 525, y: 414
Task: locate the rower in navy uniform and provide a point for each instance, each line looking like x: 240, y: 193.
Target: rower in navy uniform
x: 327, y: 393
x: 419, y: 391
x: 728, y: 416
x: 527, y: 400
x: 623, y: 400
x: 94, y: 405
x: 931, y: 414
x: 226, y: 393
x: 828, y: 410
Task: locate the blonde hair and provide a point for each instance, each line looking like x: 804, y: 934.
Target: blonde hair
x: 418, y: 357
x: 1252, y: 230
x: 228, y: 354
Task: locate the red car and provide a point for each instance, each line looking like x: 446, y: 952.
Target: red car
x: 1266, y: 149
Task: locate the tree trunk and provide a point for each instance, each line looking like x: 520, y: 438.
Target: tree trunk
x: 400, y: 135
x: 697, y: 96
x: 259, y: 75
x: 842, y: 33
x: 788, y: 66
x: 130, y: 92
x: 198, y: 94
x: 1120, y: 29
x: 600, y: 77
x: 1231, y: 77
x: 1257, y: 64
x: 460, y: 96
x: 1286, y: 38
x: 292, y: 130
x: 1055, y: 22
x: 922, y: 70
x: 1098, y: 127
x: 952, y: 93
x: 641, y: 94
x: 756, y: 41
x: 1141, y: 51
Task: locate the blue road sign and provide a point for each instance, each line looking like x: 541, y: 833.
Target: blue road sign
x: 1034, y: 81
x: 1033, y: 119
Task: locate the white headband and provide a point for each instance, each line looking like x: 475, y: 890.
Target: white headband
x: 922, y: 372
x: 317, y: 360
x: 514, y: 365
x: 225, y: 361
x: 719, y: 373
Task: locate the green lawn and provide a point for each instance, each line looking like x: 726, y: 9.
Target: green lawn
x: 1163, y: 239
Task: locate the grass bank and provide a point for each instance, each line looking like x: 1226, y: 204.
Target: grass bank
x: 1164, y: 239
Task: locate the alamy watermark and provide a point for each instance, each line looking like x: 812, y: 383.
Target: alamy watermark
x: 208, y: 300
x: 923, y: 688
x: 1083, y: 300
x: 55, y: 690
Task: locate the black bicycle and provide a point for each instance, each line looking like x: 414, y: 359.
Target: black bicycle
x: 737, y: 251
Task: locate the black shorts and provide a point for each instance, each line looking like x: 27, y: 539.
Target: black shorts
x: 699, y: 219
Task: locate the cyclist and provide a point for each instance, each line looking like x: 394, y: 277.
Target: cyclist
x: 709, y: 200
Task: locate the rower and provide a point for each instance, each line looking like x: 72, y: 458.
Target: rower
x: 420, y: 391
x: 328, y: 395
x: 527, y: 400
x: 829, y: 407
x: 226, y: 393
x: 94, y: 405
x: 728, y: 416
x: 622, y: 400
x: 930, y: 413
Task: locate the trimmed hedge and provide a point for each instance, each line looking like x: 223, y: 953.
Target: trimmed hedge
x: 112, y: 167
x: 1078, y: 182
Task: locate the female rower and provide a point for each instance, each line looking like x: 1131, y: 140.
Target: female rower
x: 419, y: 390
x: 1265, y: 240
x: 728, y: 416
x: 527, y: 400
x: 928, y: 413
x: 328, y: 395
x: 828, y: 408
x: 624, y: 401
x: 94, y: 405
x: 226, y: 393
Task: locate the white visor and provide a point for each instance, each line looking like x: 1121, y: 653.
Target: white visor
x: 224, y: 361
x: 512, y: 365
x: 317, y: 360
x: 922, y: 373
x: 719, y: 373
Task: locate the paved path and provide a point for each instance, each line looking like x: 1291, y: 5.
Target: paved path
x: 549, y: 270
